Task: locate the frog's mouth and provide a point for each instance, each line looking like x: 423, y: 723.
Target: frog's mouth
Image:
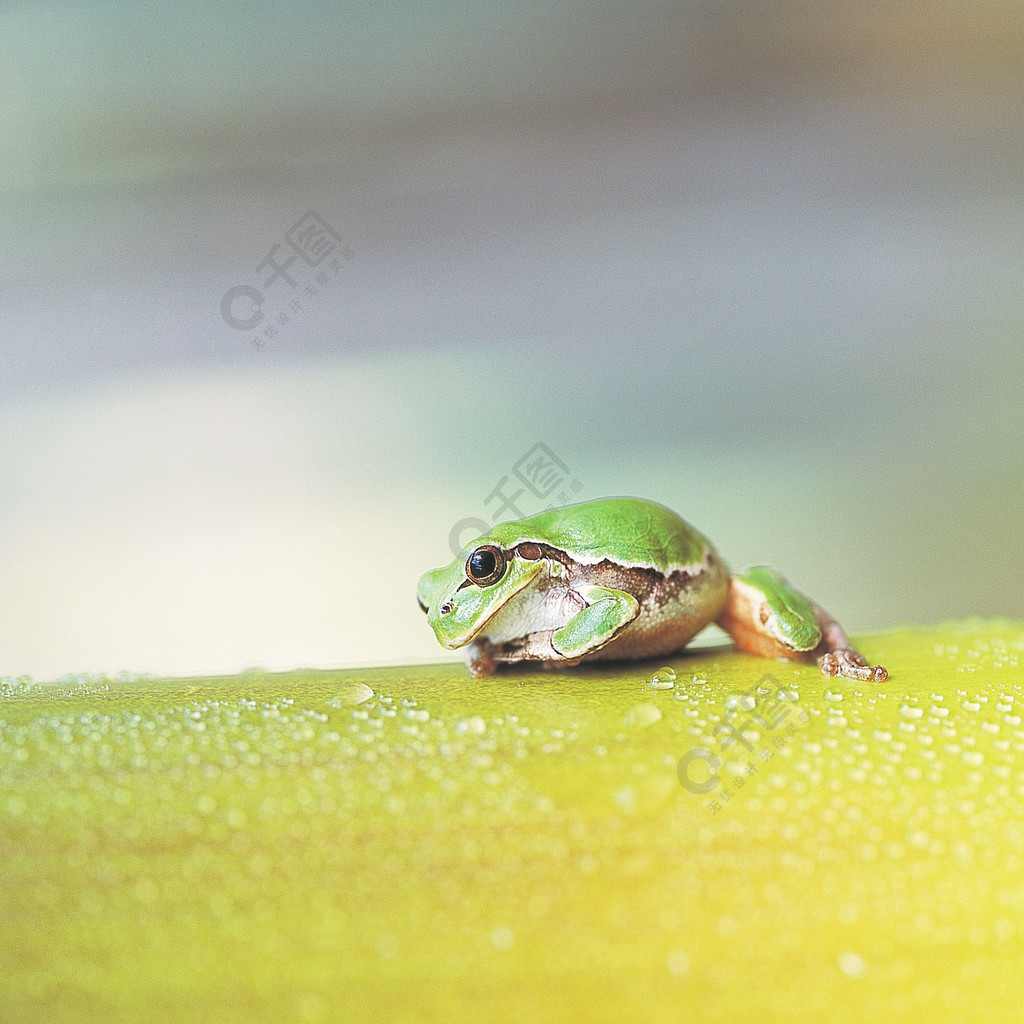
x: 482, y: 631
x: 515, y: 608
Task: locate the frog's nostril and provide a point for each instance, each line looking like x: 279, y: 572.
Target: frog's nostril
x: 447, y: 607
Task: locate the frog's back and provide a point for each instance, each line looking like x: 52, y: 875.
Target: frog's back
x: 632, y: 531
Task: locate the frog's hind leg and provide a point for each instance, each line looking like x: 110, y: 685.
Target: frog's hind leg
x: 837, y: 658
x: 765, y: 615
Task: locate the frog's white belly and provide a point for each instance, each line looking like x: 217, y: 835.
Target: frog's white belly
x: 670, y: 615
x: 533, y: 610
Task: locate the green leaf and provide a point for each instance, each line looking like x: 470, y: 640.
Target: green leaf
x: 411, y: 844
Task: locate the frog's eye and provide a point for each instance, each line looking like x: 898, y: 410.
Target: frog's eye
x: 486, y: 565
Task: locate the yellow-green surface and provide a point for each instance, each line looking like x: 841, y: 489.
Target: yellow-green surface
x: 286, y: 847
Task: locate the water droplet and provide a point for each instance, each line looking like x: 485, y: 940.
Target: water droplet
x: 474, y: 726
x: 910, y: 712
x: 503, y: 938
x: 625, y: 799
x: 851, y: 965
x: 742, y: 701
x: 663, y: 679
x: 642, y: 714
x: 678, y: 963
x: 351, y: 694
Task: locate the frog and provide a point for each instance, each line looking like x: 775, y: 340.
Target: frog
x: 615, y: 579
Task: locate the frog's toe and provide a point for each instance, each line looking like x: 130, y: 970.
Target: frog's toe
x: 480, y: 659
x: 847, y: 663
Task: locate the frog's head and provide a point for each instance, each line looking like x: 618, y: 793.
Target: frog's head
x: 463, y: 597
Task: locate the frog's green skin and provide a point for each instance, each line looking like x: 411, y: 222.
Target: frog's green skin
x: 617, y: 578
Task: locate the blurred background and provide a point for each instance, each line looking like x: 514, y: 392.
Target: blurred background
x: 296, y: 297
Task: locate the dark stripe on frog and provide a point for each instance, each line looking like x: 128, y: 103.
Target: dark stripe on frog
x: 530, y: 552
x: 638, y: 580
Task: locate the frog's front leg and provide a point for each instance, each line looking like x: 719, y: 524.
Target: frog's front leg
x: 765, y: 615
x: 481, y: 659
x: 608, y: 612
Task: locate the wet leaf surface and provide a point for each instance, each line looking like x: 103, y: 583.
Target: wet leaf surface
x: 742, y: 840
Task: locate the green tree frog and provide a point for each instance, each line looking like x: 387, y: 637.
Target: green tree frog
x: 618, y: 578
